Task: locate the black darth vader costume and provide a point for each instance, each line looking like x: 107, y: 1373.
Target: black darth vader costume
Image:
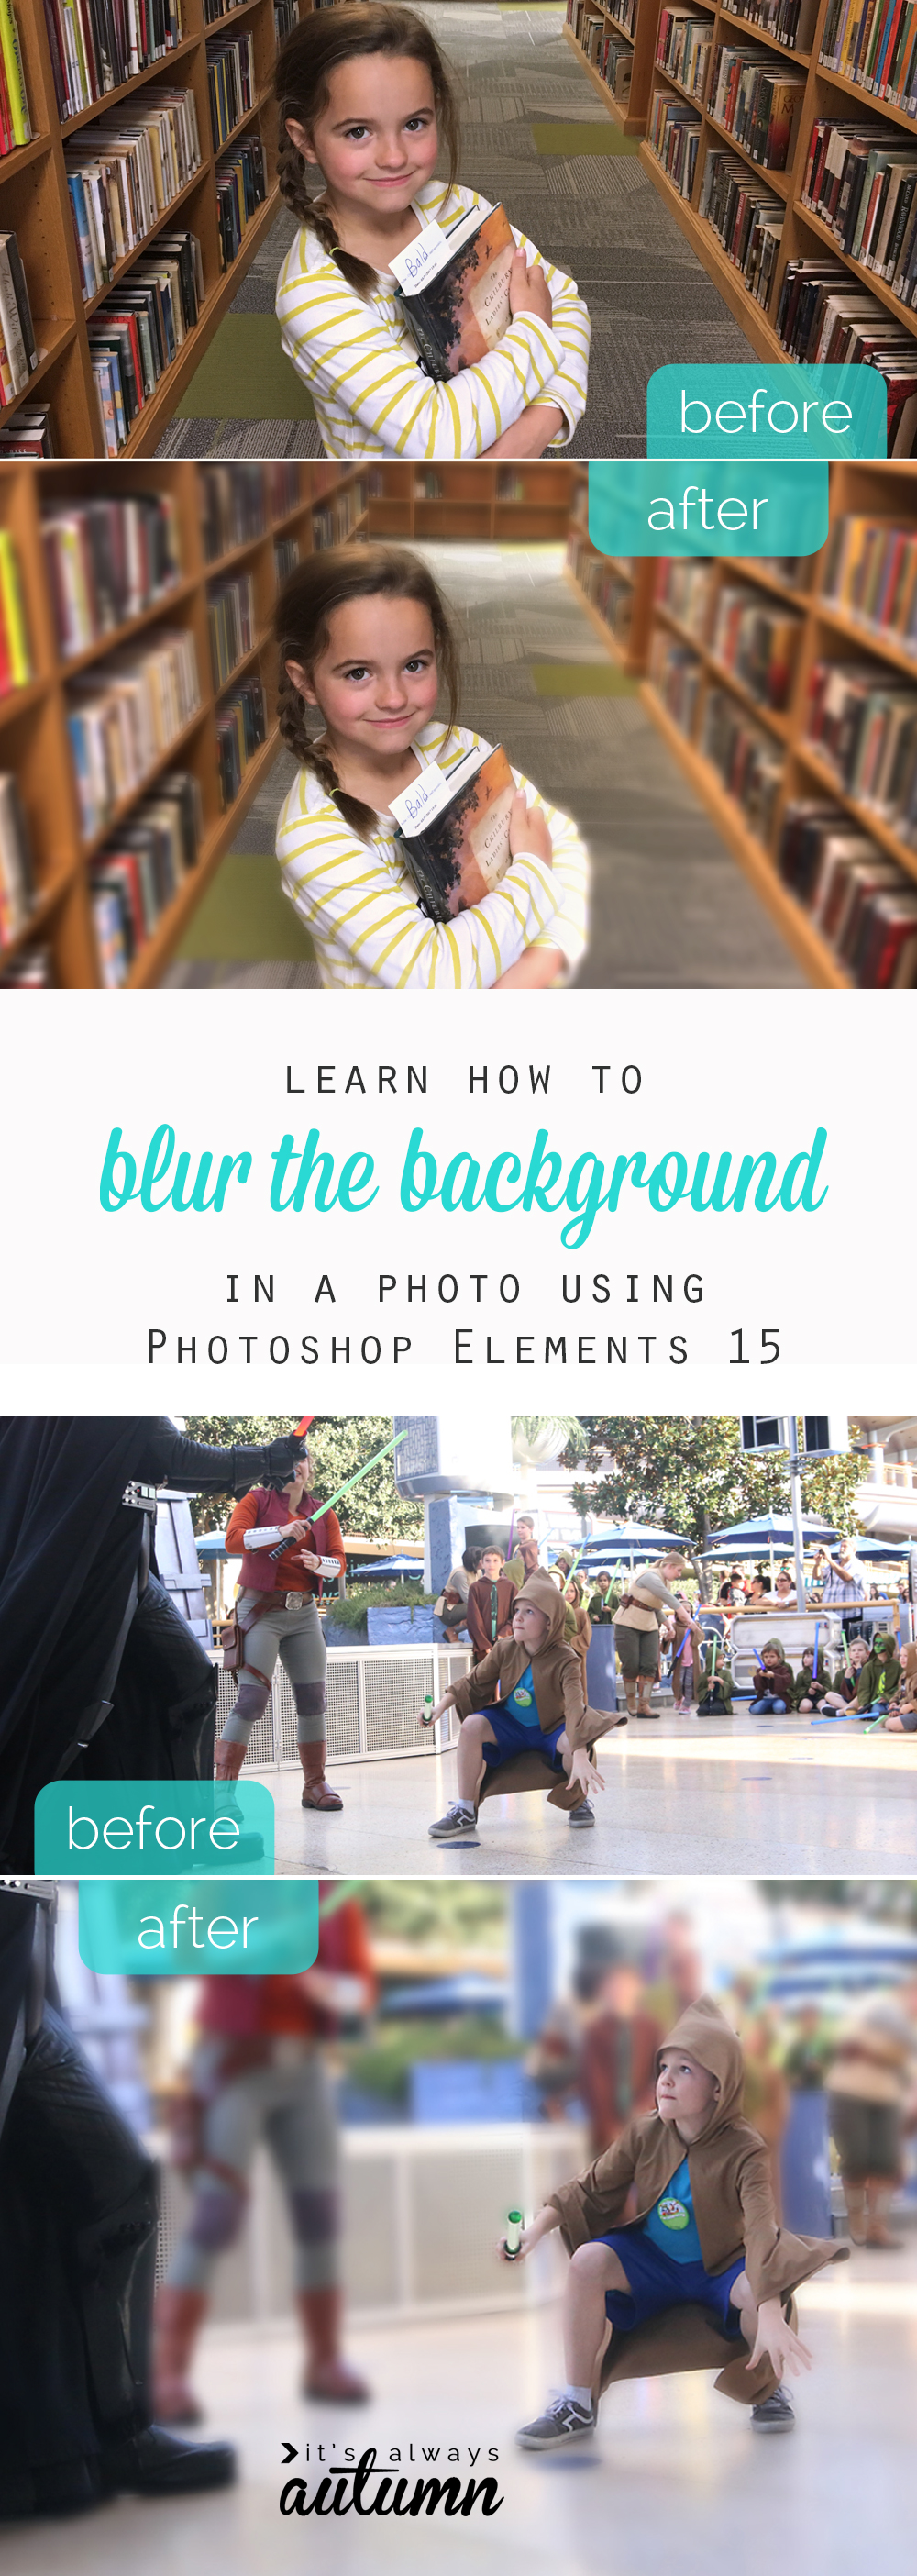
x: 77, y: 2260
x: 100, y: 1677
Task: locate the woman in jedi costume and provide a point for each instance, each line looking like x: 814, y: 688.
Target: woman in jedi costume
x: 100, y: 1677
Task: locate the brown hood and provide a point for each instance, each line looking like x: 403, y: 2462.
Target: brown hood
x: 541, y: 1594
x: 703, y: 2032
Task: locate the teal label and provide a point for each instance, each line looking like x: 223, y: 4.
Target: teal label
x: 749, y: 413
x: 180, y: 1927
x: 94, y: 1828
x: 672, y: 2213
x: 637, y: 508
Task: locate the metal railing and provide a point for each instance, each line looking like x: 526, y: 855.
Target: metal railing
x: 374, y: 1696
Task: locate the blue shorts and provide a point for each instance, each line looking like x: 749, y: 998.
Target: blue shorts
x: 512, y: 1737
x: 658, y: 2282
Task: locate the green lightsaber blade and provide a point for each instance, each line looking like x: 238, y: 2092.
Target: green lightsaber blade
x: 364, y: 1471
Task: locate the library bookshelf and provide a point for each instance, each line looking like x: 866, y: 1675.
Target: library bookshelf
x: 34, y: 204
x: 526, y: 503
x: 885, y: 492
x: 826, y: 93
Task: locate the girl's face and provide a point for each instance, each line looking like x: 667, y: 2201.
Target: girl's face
x: 376, y: 141
x: 376, y: 680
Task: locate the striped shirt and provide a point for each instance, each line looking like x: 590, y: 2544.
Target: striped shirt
x: 359, y: 360
x: 359, y: 903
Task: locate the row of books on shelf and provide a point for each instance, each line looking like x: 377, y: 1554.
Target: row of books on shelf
x: 611, y: 54
x: 286, y: 558
x: 787, y: 22
x: 123, y: 717
x: 30, y: 970
x: 15, y: 121
x: 238, y: 503
x: 241, y: 726
x: 18, y: 348
x: 747, y: 761
x: 674, y: 136
x: 826, y: 316
x: 28, y: 432
x: 15, y: 655
x: 137, y: 874
x: 334, y: 520
x: 863, y: 904
x: 95, y: 45
x: 580, y: 15
x: 869, y: 572
x: 603, y: 583
x: 231, y: 623
x: 676, y: 675
x: 862, y: 722
x: 230, y: 82
x: 286, y: 16
x: 17, y: 869
x: 683, y: 48
x: 874, y: 43
x: 137, y: 333
x: 108, y: 560
x: 863, y: 186
x: 241, y: 188
x: 756, y: 102
x: 747, y: 632
x: 122, y: 176
x: 746, y: 217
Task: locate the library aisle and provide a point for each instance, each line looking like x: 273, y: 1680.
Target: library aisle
x: 533, y: 667
x: 536, y: 136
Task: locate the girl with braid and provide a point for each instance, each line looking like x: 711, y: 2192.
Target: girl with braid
x: 365, y: 107
x: 364, y: 640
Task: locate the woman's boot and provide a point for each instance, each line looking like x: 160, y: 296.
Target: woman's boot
x: 316, y: 1792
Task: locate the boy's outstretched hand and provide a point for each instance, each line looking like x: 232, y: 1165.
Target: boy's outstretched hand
x: 776, y: 2341
x: 585, y: 1772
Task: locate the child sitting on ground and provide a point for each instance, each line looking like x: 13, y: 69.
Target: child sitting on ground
x: 714, y: 1698
x: 810, y: 1690
x: 880, y: 1675
x: 542, y: 1712
x: 366, y: 104
x: 775, y: 1689
x: 902, y: 1714
x: 703, y: 2234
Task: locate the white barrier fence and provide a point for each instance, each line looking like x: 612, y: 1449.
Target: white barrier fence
x: 374, y: 1695
x: 423, y: 2208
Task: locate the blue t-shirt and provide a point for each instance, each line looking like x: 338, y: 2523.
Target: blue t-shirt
x: 672, y: 2224
x: 521, y: 1701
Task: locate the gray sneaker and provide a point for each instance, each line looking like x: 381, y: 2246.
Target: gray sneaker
x: 774, y: 2414
x: 456, y: 1826
x: 582, y: 1815
x: 563, y: 2421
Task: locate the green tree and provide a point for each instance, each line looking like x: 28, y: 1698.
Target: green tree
x: 339, y: 1444
x: 690, y: 1476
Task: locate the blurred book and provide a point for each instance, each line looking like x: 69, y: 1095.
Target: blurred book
x: 17, y: 876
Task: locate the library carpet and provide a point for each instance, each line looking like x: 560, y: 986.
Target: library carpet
x: 535, y: 134
x: 669, y: 905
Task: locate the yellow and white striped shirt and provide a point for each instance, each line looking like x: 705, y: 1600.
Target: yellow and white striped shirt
x: 360, y: 907
x: 371, y: 395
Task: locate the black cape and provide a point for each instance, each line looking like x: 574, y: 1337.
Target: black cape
x: 70, y: 1550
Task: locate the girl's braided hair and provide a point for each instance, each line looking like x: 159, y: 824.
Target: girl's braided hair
x: 322, y: 40
x: 302, y: 620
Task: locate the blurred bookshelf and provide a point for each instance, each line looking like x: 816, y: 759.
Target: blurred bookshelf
x: 36, y: 204
x: 721, y: 157
x: 156, y: 624
x: 788, y: 695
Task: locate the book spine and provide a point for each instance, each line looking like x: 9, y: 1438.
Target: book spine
x: 15, y: 78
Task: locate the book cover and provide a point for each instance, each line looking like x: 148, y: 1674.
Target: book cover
x: 454, y: 289
x: 454, y: 831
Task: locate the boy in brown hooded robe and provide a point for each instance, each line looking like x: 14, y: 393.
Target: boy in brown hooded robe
x: 700, y: 2268
x: 540, y: 1726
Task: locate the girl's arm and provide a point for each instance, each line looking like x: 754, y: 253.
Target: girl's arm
x: 533, y: 971
x: 339, y: 886
x: 572, y: 327
x: 346, y: 351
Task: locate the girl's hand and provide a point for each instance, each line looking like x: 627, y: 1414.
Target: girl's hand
x: 529, y: 291
x: 528, y: 831
x: 534, y: 430
x: 776, y: 2341
x: 313, y: 1564
x: 294, y: 1529
x: 533, y: 971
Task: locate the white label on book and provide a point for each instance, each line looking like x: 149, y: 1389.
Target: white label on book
x: 429, y: 794
x: 422, y: 259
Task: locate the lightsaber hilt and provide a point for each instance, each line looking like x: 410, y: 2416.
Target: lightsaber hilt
x: 512, y: 2242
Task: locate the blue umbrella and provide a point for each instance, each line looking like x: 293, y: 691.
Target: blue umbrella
x: 768, y: 1529
x: 633, y: 1539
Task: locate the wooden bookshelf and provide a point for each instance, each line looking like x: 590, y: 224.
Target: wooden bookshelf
x: 826, y: 93
x: 629, y: 114
x: 526, y: 503
x: 879, y: 491
x: 34, y: 203
x: 627, y: 639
